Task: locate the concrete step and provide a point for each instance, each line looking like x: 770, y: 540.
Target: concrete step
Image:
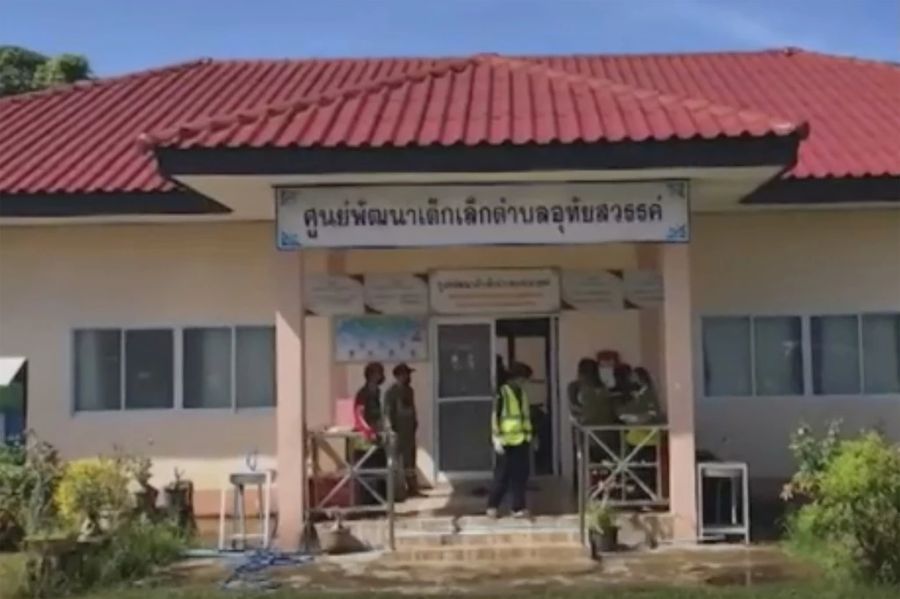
x: 555, y: 553
x: 523, y: 538
x: 449, y: 524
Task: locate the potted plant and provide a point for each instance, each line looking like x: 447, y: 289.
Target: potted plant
x: 140, y: 468
x: 180, y: 502
x: 603, y: 532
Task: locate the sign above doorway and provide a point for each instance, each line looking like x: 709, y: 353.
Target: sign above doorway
x: 443, y: 215
x: 500, y: 291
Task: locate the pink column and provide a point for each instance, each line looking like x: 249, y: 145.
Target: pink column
x: 679, y: 389
x: 291, y: 411
x: 651, y: 318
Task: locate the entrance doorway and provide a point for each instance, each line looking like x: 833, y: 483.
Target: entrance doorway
x: 469, y: 355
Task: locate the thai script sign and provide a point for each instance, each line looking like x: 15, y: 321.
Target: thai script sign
x: 329, y: 295
x: 423, y: 215
x: 396, y: 294
x: 494, y: 291
x: 597, y: 290
x: 643, y: 288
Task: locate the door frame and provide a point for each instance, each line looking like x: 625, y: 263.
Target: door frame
x: 436, y: 323
x: 557, y: 422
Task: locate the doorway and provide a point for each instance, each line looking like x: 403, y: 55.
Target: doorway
x: 468, y: 356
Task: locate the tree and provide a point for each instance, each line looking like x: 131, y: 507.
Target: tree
x: 23, y: 70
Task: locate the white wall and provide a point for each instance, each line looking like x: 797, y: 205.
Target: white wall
x: 792, y: 263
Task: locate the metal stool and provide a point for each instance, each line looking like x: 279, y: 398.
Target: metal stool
x: 237, y: 537
x: 735, y: 474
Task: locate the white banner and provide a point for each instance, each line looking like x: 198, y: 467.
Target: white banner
x: 423, y: 215
x: 644, y: 288
x: 494, y: 291
x: 329, y: 295
x: 396, y: 294
x: 592, y: 290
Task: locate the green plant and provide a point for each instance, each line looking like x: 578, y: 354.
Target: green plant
x: 136, y: 550
x: 851, y: 518
x: 92, y: 491
x: 813, y: 455
x: 13, y: 494
x: 600, y: 517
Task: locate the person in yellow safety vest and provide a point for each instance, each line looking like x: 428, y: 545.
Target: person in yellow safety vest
x: 641, y: 408
x: 511, y: 434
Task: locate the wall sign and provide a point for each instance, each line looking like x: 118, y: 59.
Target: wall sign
x: 396, y: 294
x: 596, y: 290
x: 329, y: 295
x: 380, y: 338
x: 422, y: 215
x: 494, y: 291
x: 643, y: 288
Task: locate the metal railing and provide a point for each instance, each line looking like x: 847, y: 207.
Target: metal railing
x: 622, y: 465
x: 354, y: 469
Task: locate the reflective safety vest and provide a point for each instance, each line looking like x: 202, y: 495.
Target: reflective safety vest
x: 511, y: 419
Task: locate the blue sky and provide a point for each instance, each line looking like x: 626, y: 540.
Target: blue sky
x: 125, y: 35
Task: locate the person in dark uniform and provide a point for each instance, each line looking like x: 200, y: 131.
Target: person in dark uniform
x: 400, y: 408
x: 369, y: 421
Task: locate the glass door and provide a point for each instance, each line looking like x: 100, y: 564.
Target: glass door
x: 465, y: 390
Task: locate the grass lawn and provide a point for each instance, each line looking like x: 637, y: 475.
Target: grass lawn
x: 760, y: 592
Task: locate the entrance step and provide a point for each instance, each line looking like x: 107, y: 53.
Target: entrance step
x: 552, y: 553
x: 534, y: 538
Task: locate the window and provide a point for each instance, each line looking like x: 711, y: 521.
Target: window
x: 98, y: 370
x: 849, y: 354
x: 834, y: 342
x: 229, y: 367
x: 255, y: 367
x: 881, y: 353
x: 745, y: 356
x: 726, y: 356
x: 778, y: 353
x: 132, y: 369
x: 207, y: 368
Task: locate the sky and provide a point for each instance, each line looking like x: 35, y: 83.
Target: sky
x: 119, y: 36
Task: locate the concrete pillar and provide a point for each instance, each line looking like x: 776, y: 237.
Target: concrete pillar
x: 651, y: 318
x: 291, y: 411
x: 679, y: 388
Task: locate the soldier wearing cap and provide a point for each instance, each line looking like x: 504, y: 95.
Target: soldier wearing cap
x: 400, y: 408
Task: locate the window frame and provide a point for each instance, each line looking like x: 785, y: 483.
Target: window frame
x: 177, y: 331
x: 806, y: 347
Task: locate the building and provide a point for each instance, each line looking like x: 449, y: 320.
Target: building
x: 730, y: 220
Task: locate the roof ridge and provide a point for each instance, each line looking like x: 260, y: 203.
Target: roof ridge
x: 86, y: 84
x: 787, y: 126
x: 289, y: 106
x: 858, y: 60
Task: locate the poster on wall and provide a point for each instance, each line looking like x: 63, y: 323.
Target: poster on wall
x: 331, y: 295
x: 442, y: 215
x: 396, y: 294
x: 594, y: 290
x: 379, y: 338
x: 499, y: 291
x: 643, y: 288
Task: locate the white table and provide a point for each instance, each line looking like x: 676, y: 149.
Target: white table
x: 736, y: 474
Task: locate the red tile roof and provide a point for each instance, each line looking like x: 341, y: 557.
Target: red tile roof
x: 483, y: 100
x: 85, y: 138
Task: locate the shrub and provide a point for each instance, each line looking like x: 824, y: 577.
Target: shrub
x: 29, y: 473
x: 851, y: 520
x: 13, y: 495
x: 92, y: 491
x: 137, y: 549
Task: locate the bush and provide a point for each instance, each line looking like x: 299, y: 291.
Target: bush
x: 13, y: 495
x: 29, y: 474
x: 136, y: 550
x: 92, y: 491
x: 851, y: 518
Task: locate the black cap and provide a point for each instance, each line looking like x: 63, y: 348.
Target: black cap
x: 402, y: 368
x: 519, y: 370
